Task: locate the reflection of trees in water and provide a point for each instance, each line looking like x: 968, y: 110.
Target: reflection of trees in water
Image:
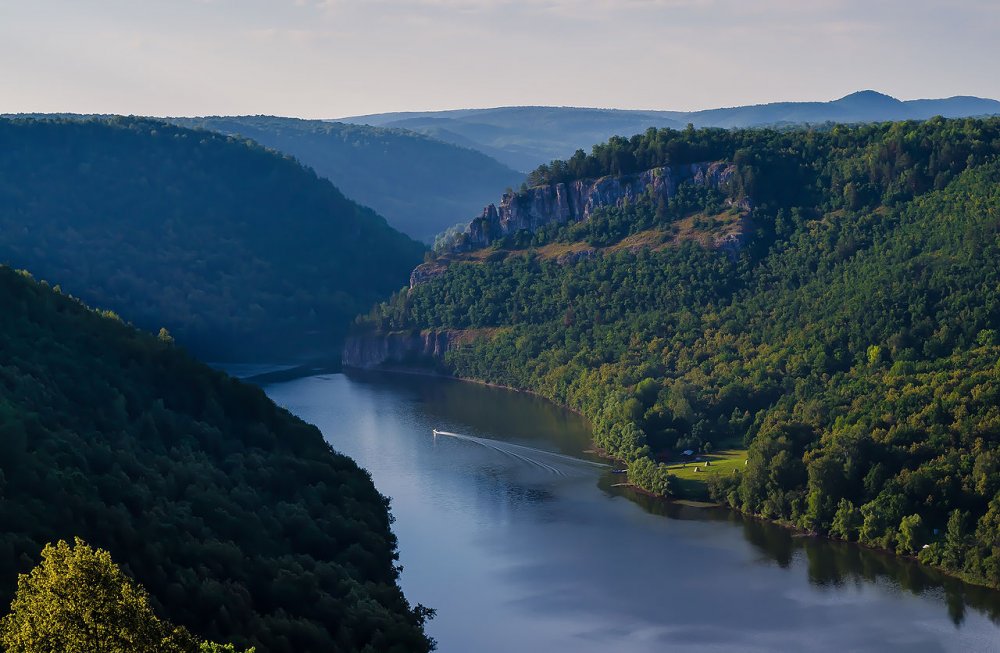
x: 834, y: 564
x: 837, y: 563
x: 516, y: 414
x: 829, y: 563
x: 777, y: 543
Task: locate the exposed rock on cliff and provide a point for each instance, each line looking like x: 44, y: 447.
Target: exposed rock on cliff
x: 426, y: 271
x: 576, y: 201
x: 558, y: 203
x: 406, y: 348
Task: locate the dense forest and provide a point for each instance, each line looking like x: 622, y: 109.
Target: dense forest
x: 240, y: 252
x: 238, y: 518
x: 850, y: 344
x: 420, y: 184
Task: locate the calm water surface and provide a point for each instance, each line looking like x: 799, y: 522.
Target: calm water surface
x: 520, y: 550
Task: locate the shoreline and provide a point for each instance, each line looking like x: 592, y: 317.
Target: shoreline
x: 416, y: 371
x: 594, y: 450
x: 797, y: 532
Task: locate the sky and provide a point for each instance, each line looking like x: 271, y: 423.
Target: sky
x: 334, y: 58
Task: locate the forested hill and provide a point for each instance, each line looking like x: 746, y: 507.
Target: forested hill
x: 237, y: 250
x: 420, y: 184
x: 846, y: 350
x: 237, y: 517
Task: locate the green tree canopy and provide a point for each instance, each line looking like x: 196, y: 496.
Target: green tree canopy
x: 240, y: 520
x: 77, y: 600
x: 848, y: 339
x: 237, y: 250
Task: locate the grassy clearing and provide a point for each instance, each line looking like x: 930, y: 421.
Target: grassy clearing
x: 710, y: 230
x: 692, y: 477
x: 649, y: 239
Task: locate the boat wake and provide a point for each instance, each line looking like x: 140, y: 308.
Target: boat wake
x: 554, y: 463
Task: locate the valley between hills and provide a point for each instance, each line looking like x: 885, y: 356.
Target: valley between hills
x: 797, y: 322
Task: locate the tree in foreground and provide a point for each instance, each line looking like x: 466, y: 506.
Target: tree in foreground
x: 79, y: 601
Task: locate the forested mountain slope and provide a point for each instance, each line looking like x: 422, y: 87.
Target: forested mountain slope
x: 237, y: 250
x: 238, y: 518
x: 421, y: 185
x: 850, y: 341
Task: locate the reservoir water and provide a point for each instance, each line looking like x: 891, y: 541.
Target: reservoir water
x: 519, y: 546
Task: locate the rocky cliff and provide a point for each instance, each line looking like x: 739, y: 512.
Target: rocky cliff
x: 577, y: 200
x: 407, y: 348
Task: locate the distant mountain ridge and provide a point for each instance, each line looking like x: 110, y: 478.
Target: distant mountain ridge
x: 525, y: 137
x: 863, y: 106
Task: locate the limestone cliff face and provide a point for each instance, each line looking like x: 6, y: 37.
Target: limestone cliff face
x: 408, y: 348
x: 576, y: 201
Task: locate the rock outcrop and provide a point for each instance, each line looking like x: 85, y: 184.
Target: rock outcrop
x: 426, y: 271
x: 399, y: 348
x: 560, y: 203
x: 576, y: 201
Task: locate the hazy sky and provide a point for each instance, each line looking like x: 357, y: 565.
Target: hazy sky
x: 331, y: 58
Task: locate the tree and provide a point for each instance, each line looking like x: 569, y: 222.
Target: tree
x: 847, y: 521
x: 78, y: 600
x: 212, y: 647
x: 910, y: 534
x: 955, y: 541
x: 881, y: 515
x: 825, y: 474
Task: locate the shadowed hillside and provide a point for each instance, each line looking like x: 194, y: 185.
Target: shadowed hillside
x: 238, y: 251
x: 238, y: 518
x: 421, y: 185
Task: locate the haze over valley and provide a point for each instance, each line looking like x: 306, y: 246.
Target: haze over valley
x: 526, y: 137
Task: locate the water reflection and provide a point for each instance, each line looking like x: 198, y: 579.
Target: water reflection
x: 831, y: 563
x: 486, y: 409
x: 516, y: 557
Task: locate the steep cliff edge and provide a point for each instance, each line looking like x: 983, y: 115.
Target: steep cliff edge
x: 420, y: 349
x: 560, y: 203
x: 564, y: 203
